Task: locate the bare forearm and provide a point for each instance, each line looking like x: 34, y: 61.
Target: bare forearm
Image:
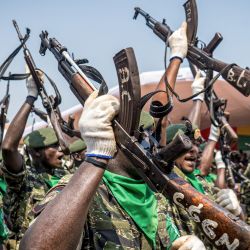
x: 11, y: 157
x: 171, y: 75
x: 195, y: 113
x: 61, y: 223
x: 207, y: 157
x: 221, y: 180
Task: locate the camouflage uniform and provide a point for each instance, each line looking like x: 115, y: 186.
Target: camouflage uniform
x: 3, y: 228
x: 24, y: 190
x: 245, y: 198
x: 208, y: 191
x: 245, y: 194
x: 108, y: 226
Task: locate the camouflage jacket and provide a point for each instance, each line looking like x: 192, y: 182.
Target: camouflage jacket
x: 3, y: 228
x: 245, y: 199
x: 108, y: 226
x: 24, y: 190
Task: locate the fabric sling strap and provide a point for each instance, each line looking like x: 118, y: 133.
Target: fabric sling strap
x: 140, y: 203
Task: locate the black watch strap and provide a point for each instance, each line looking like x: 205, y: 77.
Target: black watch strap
x: 98, y: 164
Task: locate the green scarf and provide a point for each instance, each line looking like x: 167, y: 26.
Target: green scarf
x: 173, y: 231
x: 139, y: 201
x: 191, y: 178
x: 3, y: 228
x: 211, y: 178
x: 51, y: 180
x: 3, y: 185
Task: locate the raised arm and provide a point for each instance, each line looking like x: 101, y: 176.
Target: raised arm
x: 208, y: 153
x: 11, y: 157
x: 178, y: 51
x: 61, y: 224
x: 195, y: 113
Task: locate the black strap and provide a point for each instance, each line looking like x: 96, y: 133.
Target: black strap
x: 157, y: 110
x: 30, y: 100
x: 8, y: 61
x: 14, y: 77
x: 98, y: 164
x: 95, y: 75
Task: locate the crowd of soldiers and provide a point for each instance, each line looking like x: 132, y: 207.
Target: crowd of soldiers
x: 94, y: 198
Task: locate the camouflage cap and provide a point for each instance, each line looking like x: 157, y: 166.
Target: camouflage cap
x: 174, y: 129
x: 41, y: 138
x: 146, y: 120
x: 77, y: 145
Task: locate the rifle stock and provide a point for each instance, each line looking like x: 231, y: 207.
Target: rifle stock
x: 213, y: 220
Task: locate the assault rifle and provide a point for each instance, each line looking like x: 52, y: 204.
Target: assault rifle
x: 4, y: 104
x: 222, y: 228
x: 50, y: 103
x: 238, y: 77
x: 219, y: 118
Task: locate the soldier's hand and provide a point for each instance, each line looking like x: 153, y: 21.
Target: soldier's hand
x: 30, y: 83
x: 188, y: 242
x: 228, y: 199
x: 96, y: 125
x: 197, y: 86
x: 178, y: 42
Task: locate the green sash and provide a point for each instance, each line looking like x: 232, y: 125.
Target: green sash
x: 3, y: 185
x: 211, y: 178
x: 139, y: 201
x: 195, y: 182
x: 191, y: 178
x: 52, y: 180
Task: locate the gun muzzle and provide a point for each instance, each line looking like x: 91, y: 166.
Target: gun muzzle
x: 136, y: 12
x: 44, y: 42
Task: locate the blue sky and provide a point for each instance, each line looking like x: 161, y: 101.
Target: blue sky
x: 97, y: 30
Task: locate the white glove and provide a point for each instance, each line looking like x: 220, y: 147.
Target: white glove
x: 228, y: 199
x: 197, y: 86
x: 219, y: 161
x: 214, y: 133
x: 178, y: 42
x: 188, y: 242
x: 30, y: 83
x: 95, y: 125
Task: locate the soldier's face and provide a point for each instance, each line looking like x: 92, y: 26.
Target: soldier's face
x: 187, y: 162
x: 52, y: 156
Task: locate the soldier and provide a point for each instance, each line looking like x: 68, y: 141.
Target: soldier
x: 114, y: 209
x: 28, y: 181
x: 186, y: 169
